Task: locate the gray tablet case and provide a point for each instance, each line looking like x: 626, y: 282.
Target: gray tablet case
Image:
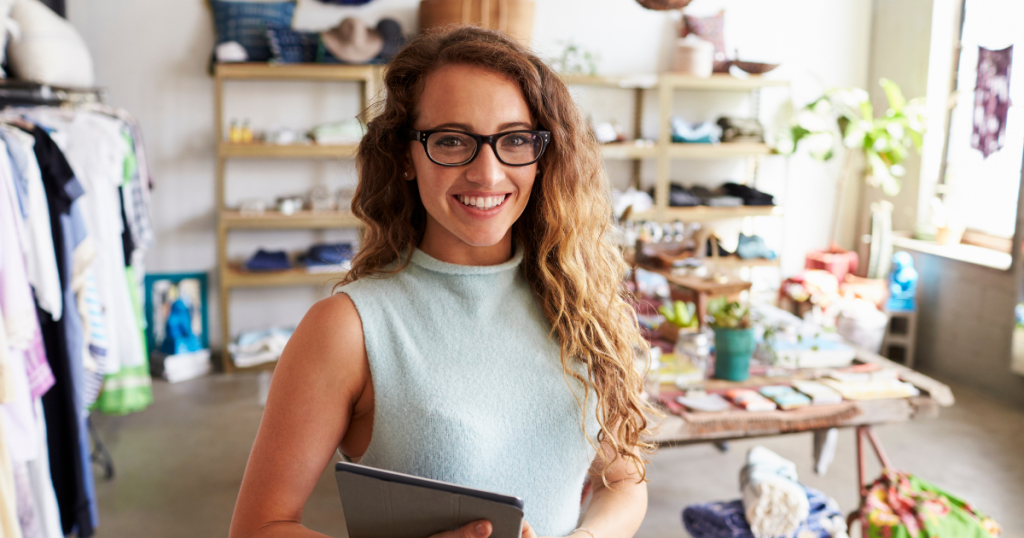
x: 384, y: 504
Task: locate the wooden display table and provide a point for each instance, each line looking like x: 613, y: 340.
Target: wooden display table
x: 690, y: 428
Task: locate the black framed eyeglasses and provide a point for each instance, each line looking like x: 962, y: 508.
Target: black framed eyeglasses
x: 447, y: 147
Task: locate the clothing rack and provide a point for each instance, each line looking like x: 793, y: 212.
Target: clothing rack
x: 25, y: 93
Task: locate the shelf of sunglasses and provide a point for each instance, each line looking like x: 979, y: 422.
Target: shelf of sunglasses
x: 258, y: 150
x: 267, y: 71
x: 300, y: 220
x: 707, y: 213
x: 235, y: 276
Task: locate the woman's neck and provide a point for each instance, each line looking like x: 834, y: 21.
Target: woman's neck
x: 441, y: 244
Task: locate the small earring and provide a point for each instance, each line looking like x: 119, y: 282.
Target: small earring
x: 405, y: 175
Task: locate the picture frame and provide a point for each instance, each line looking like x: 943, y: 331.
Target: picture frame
x: 161, y: 290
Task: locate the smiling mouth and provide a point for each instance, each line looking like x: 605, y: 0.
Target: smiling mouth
x: 482, y: 203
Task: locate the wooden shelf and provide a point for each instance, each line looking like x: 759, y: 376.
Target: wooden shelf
x: 707, y: 213
x: 285, y: 151
x: 720, y: 82
x: 629, y: 150
x: 717, y: 151
x: 642, y: 81
x: 236, y: 277
x: 267, y: 71
x: 736, y: 261
x: 302, y: 220
x: 716, y: 82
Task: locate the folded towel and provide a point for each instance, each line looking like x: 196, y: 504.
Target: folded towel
x: 774, y: 502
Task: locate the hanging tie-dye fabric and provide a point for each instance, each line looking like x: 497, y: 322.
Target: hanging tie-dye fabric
x: 991, y: 99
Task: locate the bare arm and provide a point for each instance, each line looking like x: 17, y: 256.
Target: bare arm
x: 614, y: 512
x: 318, y: 380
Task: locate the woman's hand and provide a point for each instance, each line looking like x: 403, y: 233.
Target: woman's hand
x: 475, y: 529
x: 528, y: 531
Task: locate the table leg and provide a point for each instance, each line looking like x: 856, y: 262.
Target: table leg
x: 702, y: 309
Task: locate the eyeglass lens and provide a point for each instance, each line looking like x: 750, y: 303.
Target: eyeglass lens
x: 457, y: 148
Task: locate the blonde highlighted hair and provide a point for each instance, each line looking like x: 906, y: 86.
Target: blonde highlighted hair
x: 574, y: 272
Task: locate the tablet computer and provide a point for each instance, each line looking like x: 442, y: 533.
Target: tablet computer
x: 386, y: 504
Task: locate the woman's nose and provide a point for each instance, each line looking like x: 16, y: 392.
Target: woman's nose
x: 486, y: 169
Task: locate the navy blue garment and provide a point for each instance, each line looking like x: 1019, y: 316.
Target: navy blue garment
x: 268, y: 260
x: 247, y: 23
x: 67, y: 435
x: 328, y: 254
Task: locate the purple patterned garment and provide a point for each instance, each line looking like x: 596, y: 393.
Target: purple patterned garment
x: 991, y: 99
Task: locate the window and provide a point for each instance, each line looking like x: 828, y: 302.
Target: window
x: 981, y: 191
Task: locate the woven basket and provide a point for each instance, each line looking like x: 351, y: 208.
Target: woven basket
x: 664, y: 5
x: 513, y: 18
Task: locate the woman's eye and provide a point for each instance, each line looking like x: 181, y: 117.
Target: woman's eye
x: 516, y: 140
x: 450, y: 142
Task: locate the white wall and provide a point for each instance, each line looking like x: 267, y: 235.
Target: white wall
x: 152, y: 57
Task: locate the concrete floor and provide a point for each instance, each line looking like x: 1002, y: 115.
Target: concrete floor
x: 179, y: 464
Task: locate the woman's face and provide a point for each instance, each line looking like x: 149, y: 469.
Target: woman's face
x: 461, y: 224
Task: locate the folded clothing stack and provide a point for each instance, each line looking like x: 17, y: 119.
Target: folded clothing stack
x: 699, y: 133
x: 774, y: 502
x: 185, y: 366
x: 726, y: 519
x: 328, y: 257
x: 739, y: 130
x: 258, y: 347
x: 268, y: 260
x: 749, y: 195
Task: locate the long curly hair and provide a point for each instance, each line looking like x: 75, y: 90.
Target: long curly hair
x: 573, y: 270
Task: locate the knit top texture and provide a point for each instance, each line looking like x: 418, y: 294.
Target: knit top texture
x: 469, y: 389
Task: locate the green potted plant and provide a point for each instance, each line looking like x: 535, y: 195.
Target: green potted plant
x: 679, y: 316
x: 734, y: 338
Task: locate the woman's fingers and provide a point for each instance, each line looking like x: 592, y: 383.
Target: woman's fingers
x: 476, y: 529
x: 528, y: 531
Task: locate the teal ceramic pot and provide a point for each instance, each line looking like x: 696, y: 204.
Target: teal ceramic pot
x: 733, y: 349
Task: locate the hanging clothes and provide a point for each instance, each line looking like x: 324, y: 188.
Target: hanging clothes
x: 67, y: 436
x: 103, y: 160
x: 37, y: 242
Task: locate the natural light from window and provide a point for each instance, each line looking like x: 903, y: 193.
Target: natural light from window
x: 982, y: 191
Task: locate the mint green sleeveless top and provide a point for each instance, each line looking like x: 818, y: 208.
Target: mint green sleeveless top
x: 469, y: 389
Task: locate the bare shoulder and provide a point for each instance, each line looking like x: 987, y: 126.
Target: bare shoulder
x: 328, y: 344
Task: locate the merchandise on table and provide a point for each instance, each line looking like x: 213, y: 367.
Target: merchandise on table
x: 785, y: 397
x: 820, y: 394
x: 750, y: 400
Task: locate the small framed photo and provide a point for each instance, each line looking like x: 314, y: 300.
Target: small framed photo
x: 162, y: 291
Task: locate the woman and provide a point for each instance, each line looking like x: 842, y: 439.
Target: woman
x: 481, y: 337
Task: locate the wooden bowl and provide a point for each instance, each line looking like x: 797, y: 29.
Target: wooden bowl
x: 663, y: 5
x: 754, y: 68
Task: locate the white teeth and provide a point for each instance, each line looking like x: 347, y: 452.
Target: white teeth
x: 481, y: 202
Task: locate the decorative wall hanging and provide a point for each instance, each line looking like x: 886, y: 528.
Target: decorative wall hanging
x: 991, y: 99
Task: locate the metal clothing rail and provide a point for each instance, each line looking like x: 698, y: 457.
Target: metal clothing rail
x: 24, y: 93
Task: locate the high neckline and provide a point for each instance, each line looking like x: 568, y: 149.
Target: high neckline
x: 430, y: 263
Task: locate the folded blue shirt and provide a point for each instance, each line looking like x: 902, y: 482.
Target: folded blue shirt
x: 268, y: 260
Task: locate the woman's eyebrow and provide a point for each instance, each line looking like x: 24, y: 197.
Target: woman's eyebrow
x: 464, y: 127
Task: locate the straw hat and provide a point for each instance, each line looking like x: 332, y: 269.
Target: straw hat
x: 353, y: 42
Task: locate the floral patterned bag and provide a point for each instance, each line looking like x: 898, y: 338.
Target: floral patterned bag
x: 900, y: 505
